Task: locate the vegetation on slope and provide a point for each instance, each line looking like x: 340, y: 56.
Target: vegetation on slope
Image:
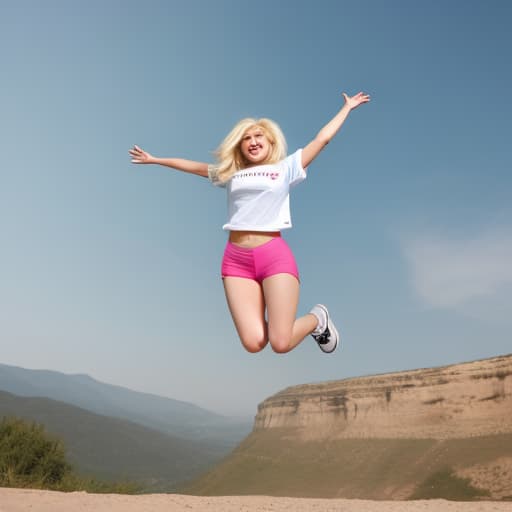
x: 274, y: 462
x: 113, y: 449
x: 445, y: 484
x: 29, y: 457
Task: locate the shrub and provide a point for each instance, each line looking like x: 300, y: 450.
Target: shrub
x: 445, y: 484
x: 29, y: 457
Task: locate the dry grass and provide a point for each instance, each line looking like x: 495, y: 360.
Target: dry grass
x: 272, y: 463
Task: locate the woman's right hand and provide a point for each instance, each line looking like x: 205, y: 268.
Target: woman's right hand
x: 139, y: 156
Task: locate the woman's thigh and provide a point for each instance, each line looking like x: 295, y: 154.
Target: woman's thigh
x: 281, y: 295
x: 247, y: 306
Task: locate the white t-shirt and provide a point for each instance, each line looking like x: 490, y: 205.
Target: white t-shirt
x: 258, y: 197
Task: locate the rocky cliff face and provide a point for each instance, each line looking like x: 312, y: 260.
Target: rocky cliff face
x: 432, y: 433
x: 458, y: 401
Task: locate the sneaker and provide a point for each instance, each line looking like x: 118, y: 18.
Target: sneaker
x: 327, y: 338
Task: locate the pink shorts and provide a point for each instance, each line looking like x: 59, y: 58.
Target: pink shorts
x: 257, y: 263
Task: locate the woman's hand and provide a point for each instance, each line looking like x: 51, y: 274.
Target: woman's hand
x: 139, y: 156
x: 323, y: 137
x: 354, y: 101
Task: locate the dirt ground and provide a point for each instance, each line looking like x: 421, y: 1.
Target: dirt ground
x: 22, y: 500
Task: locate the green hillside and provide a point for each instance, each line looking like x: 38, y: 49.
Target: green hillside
x: 272, y: 462
x: 114, y: 449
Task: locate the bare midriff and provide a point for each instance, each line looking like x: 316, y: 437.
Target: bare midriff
x: 251, y: 239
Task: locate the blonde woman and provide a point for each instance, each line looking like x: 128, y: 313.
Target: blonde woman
x: 260, y: 276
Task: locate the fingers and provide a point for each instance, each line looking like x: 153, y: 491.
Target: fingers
x: 138, y: 155
x: 135, y: 150
x: 362, y: 96
x: 357, y: 99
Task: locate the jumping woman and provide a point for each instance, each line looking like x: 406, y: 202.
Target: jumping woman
x: 260, y: 276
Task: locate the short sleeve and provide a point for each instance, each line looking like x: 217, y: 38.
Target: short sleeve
x: 213, y: 176
x: 296, y: 173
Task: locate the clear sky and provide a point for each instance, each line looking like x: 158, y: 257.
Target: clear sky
x: 403, y: 227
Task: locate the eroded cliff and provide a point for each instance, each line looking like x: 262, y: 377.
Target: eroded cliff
x: 430, y: 433
x: 457, y: 401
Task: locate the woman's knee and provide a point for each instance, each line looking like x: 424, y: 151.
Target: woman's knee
x: 254, y: 344
x: 280, y: 342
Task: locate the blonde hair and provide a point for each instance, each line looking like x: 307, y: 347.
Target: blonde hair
x: 229, y: 156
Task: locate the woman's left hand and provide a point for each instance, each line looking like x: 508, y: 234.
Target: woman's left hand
x: 354, y: 101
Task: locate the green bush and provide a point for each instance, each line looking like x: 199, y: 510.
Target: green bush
x: 445, y: 484
x: 73, y: 483
x: 29, y: 457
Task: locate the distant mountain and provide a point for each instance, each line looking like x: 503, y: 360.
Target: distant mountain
x: 429, y: 433
x: 164, y: 414
x: 115, y: 449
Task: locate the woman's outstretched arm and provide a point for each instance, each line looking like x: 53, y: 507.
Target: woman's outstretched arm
x: 139, y: 156
x: 324, y: 136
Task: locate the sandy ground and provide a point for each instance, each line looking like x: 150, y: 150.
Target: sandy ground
x: 22, y: 500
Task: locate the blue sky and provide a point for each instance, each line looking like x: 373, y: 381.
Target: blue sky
x: 403, y: 227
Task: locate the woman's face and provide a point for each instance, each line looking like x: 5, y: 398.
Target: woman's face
x: 255, y: 146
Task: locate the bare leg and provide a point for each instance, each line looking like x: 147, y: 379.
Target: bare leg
x: 247, y: 307
x: 285, y: 332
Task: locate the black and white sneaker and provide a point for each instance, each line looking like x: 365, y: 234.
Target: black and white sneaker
x: 326, y: 334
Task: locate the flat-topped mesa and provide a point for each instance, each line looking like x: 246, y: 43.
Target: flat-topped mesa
x: 457, y: 401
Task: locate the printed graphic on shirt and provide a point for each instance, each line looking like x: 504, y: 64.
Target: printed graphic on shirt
x: 273, y: 175
x: 258, y: 197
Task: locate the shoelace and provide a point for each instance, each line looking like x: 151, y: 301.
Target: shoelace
x: 324, y: 337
